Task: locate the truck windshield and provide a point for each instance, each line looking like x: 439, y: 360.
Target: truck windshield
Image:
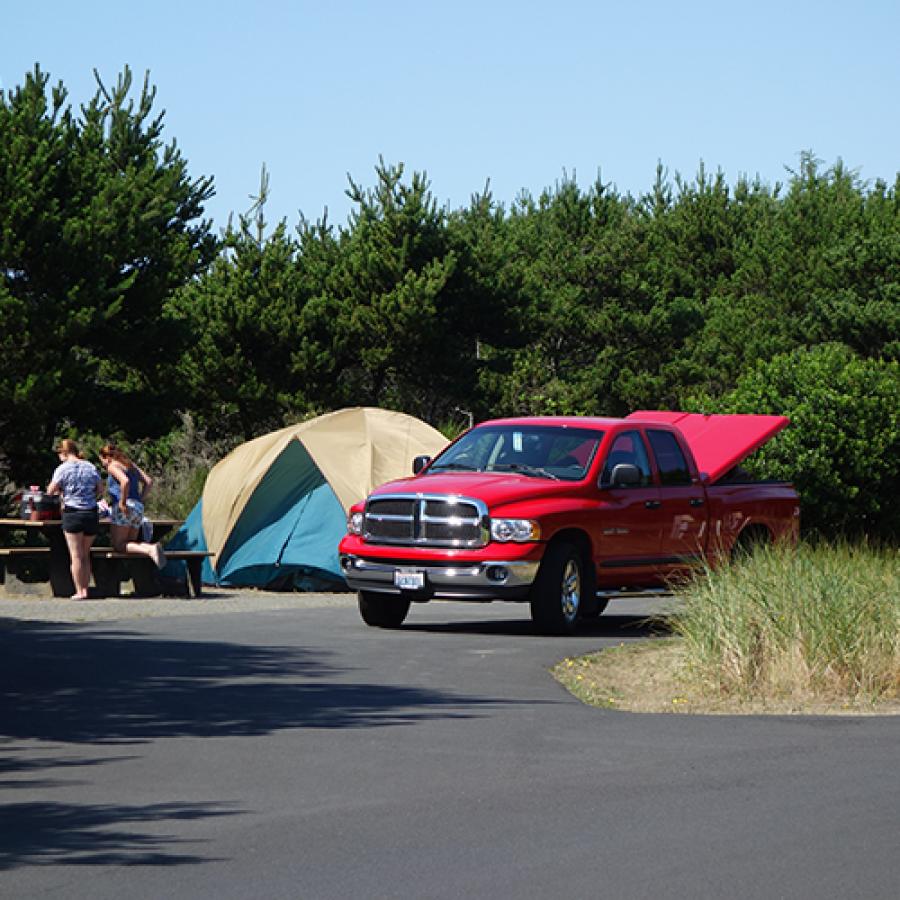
x: 538, y: 451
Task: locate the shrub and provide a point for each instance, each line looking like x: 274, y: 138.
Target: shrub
x: 842, y: 450
x: 179, y: 464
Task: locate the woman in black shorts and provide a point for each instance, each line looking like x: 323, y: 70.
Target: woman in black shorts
x: 79, y: 483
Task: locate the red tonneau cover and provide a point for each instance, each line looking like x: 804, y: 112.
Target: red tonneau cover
x: 719, y: 442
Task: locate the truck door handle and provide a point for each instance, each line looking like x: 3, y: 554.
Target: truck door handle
x: 653, y: 504
x: 696, y: 501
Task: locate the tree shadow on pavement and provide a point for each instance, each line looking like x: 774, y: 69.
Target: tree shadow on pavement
x: 66, y: 683
x: 614, y: 626
x: 15, y: 766
x: 43, y: 834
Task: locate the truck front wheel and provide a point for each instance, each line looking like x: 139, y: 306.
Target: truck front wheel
x: 382, y: 610
x: 557, y: 591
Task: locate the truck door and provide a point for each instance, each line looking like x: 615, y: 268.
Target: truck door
x: 683, y: 513
x: 629, y: 536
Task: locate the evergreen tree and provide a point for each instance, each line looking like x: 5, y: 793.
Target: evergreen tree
x: 98, y: 223
x: 372, y: 336
x: 246, y: 316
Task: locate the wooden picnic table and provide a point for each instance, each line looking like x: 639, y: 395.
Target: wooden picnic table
x: 45, y: 543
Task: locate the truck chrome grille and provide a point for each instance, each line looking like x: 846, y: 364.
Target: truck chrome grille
x: 426, y: 520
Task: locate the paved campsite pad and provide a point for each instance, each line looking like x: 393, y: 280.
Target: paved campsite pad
x: 214, y: 600
x: 293, y: 752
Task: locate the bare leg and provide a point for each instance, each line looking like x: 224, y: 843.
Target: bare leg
x: 79, y: 553
x: 120, y: 535
x: 86, y: 543
x: 123, y: 541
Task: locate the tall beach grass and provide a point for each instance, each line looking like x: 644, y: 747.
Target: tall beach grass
x: 821, y: 621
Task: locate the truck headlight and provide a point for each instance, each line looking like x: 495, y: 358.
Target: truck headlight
x: 519, y: 530
x: 355, y: 523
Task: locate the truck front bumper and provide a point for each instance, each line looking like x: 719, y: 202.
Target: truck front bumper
x: 494, y: 580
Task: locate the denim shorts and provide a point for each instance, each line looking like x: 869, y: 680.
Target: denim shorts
x: 80, y: 521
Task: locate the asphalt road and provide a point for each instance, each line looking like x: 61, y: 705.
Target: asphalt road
x: 295, y: 753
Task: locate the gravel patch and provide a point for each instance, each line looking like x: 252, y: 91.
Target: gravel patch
x: 219, y: 600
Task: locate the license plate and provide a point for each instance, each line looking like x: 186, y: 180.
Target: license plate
x: 409, y: 581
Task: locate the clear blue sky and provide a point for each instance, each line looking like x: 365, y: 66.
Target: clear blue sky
x: 519, y: 93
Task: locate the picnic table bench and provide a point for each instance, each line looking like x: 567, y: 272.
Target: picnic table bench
x: 111, y: 568
x: 15, y: 559
x: 32, y: 567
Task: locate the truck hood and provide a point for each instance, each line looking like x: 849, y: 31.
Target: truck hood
x: 719, y: 442
x: 493, y: 488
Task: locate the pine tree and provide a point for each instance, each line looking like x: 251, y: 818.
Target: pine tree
x: 99, y: 221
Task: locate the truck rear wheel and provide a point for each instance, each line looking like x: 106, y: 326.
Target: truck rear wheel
x: 749, y: 541
x: 382, y: 610
x: 557, y: 591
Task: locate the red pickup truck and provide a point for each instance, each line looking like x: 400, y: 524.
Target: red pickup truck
x: 563, y: 513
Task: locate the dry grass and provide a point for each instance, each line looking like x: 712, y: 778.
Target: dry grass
x: 650, y: 677
x: 814, y: 631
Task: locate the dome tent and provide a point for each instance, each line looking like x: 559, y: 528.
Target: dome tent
x: 274, y: 509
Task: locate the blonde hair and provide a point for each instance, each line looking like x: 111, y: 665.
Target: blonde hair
x: 69, y: 447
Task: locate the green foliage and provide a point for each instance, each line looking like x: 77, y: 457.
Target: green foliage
x: 97, y: 227
x: 372, y: 336
x: 237, y: 372
x: 843, y: 447
x: 179, y: 463
x: 821, y: 265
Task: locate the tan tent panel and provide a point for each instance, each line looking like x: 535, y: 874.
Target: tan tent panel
x: 355, y: 449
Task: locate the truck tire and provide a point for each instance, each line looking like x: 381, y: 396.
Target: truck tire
x: 749, y: 541
x: 382, y: 610
x: 595, y: 611
x: 592, y: 604
x: 557, y: 591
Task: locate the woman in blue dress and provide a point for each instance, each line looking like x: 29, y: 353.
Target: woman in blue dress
x: 127, y: 485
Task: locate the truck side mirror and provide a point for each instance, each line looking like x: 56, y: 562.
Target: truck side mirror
x: 625, y: 475
x: 419, y: 463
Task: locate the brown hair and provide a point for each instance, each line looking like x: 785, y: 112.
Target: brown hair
x: 69, y: 447
x: 111, y: 451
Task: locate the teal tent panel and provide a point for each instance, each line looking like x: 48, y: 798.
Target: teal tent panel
x: 292, y: 522
x: 314, y: 540
x: 306, y: 538
x: 189, y: 537
x: 268, y: 516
